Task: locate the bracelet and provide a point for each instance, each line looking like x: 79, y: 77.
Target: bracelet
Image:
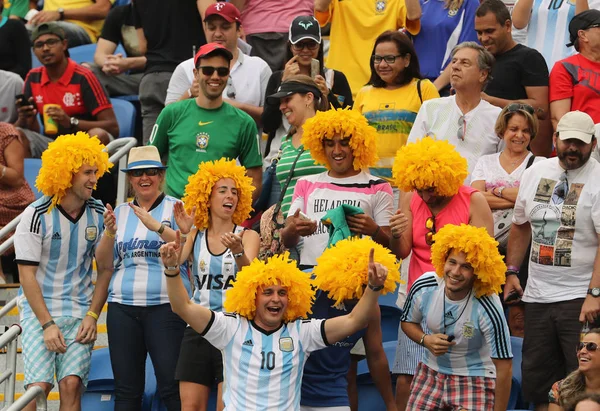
x: 238, y: 255
x: 3, y: 172
x: 422, y: 342
x: 375, y: 288
x: 511, y: 272
x: 109, y: 234
x: 92, y: 314
x: 512, y: 268
x: 376, y: 232
x: 173, y: 274
x: 161, y: 229
x: 184, y: 236
x: 48, y: 324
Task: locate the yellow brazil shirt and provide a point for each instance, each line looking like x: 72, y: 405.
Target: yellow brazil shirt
x: 93, y: 28
x: 355, y: 24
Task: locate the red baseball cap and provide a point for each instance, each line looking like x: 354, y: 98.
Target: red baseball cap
x: 212, y: 48
x: 226, y: 10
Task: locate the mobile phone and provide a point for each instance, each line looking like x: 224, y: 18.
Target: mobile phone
x: 303, y: 216
x: 512, y: 297
x: 315, y: 68
x: 23, y: 101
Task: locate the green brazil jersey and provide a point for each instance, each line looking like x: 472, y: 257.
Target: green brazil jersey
x: 191, y: 135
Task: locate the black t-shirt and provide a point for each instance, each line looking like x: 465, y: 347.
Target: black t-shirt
x: 119, y: 28
x: 172, y: 29
x: 516, y: 69
x: 15, y: 48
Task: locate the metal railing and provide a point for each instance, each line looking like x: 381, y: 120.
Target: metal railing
x: 121, y: 148
x: 9, y: 340
x: 34, y: 392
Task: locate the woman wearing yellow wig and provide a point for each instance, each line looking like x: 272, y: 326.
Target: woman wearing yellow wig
x: 218, y: 198
x: 431, y: 173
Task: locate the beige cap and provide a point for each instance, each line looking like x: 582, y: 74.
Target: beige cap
x: 576, y: 124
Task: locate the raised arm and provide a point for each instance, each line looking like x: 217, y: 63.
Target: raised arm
x: 521, y: 13
x: 340, y: 327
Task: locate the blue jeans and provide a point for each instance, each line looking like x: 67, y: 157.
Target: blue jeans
x: 76, y: 35
x: 132, y: 333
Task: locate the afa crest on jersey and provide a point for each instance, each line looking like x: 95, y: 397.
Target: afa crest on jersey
x: 91, y: 233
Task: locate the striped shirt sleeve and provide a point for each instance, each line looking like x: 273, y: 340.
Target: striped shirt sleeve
x: 28, y: 236
x: 221, y: 329
x: 494, y: 327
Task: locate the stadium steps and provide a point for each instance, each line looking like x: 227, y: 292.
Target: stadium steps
x: 7, y: 293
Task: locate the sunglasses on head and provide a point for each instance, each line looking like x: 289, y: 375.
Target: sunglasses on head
x: 209, y: 70
x: 150, y: 172
x: 511, y: 108
x: 430, y: 225
x: 589, y: 346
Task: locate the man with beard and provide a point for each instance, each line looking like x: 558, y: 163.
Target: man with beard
x: 564, y: 270
x: 206, y: 128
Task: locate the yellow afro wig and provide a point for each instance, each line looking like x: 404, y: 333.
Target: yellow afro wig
x: 63, y: 158
x: 200, y: 186
x: 343, y: 269
x: 279, y: 269
x: 482, y: 253
x: 346, y: 123
x: 430, y: 163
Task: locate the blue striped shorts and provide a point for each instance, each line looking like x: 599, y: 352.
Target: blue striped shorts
x: 408, y: 353
x: 42, y: 365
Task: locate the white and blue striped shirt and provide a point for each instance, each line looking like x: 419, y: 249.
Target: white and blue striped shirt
x: 263, y: 370
x: 213, y: 273
x: 138, y: 277
x: 62, y: 248
x: 478, y: 325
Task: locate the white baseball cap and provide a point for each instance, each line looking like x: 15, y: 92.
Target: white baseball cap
x: 576, y: 124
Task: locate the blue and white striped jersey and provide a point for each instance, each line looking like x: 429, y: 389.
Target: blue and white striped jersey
x: 263, y: 370
x: 138, y: 277
x: 62, y: 248
x: 478, y: 325
x: 213, y: 273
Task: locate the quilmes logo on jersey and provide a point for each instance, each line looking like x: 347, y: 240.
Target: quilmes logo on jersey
x: 139, y: 248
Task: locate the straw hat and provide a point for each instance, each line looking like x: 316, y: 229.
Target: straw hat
x: 143, y: 157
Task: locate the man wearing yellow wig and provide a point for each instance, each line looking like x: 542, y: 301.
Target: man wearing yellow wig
x: 467, y: 364
x: 265, y: 341
x: 54, y: 246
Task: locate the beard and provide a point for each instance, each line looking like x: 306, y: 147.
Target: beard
x: 572, y: 165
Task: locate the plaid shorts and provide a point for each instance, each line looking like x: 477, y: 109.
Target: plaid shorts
x: 432, y: 390
x: 41, y: 365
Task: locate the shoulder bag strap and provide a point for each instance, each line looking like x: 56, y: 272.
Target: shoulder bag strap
x: 530, y: 162
x: 286, y: 184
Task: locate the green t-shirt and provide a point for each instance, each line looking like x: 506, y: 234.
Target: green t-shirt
x: 15, y: 8
x: 305, y: 166
x: 190, y: 135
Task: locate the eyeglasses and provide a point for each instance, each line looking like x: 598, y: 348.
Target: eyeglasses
x: 593, y: 26
x: 430, y: 225
x: 230, y: 88
x: 150, y: 172
x: 561, y: 189
x: 49, y: 43
x: 389, y: 59
x: 209, y: 70
x: 311, y: 45
x: 462, y: 128
x: 511, y: 108
x: 589, y: 346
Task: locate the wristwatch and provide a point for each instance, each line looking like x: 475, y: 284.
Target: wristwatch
x: 61, y: 11
x: 595, y: 292
x: 74, y: 122
x: 376, y: 288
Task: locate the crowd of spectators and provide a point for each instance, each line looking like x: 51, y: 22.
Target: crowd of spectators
x: 385, y: 119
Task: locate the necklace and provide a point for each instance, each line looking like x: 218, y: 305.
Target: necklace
x: 517, y: 161
x: 461, y: 312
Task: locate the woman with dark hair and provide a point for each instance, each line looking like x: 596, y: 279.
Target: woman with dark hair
x: 304, y: 46
x: 393, y: 96
x: 584, y: 380
x: 15, y: 54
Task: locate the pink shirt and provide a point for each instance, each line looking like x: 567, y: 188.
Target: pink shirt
x: 455, y: 212
x: 265, y: 16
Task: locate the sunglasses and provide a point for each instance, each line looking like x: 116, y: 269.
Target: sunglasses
x: 462, y: 128
x: 150, y: 172
x: 589, y: 346
x: 513, y: 107
x: 430, y: 225
x: 209, y: 71
x: 49, y: 43
x: 389, y: 59
x: 311, y: 45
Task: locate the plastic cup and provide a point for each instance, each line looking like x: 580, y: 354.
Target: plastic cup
x: 50, y: 126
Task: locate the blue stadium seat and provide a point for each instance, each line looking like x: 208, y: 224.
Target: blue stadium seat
x: 31, y: 171
x: 362, y: 373
x: 79, y: 54
x: 125, y: 113
x: 121, y: 3
x: 368, y: 395
x: 100, y: 392
x: 390, y: 316
x: 516, y: 398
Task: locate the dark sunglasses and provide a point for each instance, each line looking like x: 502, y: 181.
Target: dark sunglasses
x: 389, y: 59
x: 589, y: 346
x: 49, y: 43
x: 209, y: 70
x: 430, y: 225
x: 150, y: 172
x: 311, y: 45
x: 511, y: 108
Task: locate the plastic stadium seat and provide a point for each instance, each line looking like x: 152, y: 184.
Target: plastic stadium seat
x: 516, y: 398
x: 125, y: 113
x: 100, y: 392
x: 31, y: 171
x: 79, y: 54
x: 368, y: 395
x: 362, y: 373
x: 121, y: 3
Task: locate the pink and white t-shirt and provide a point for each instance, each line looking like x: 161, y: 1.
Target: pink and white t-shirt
x: 315, y: 195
